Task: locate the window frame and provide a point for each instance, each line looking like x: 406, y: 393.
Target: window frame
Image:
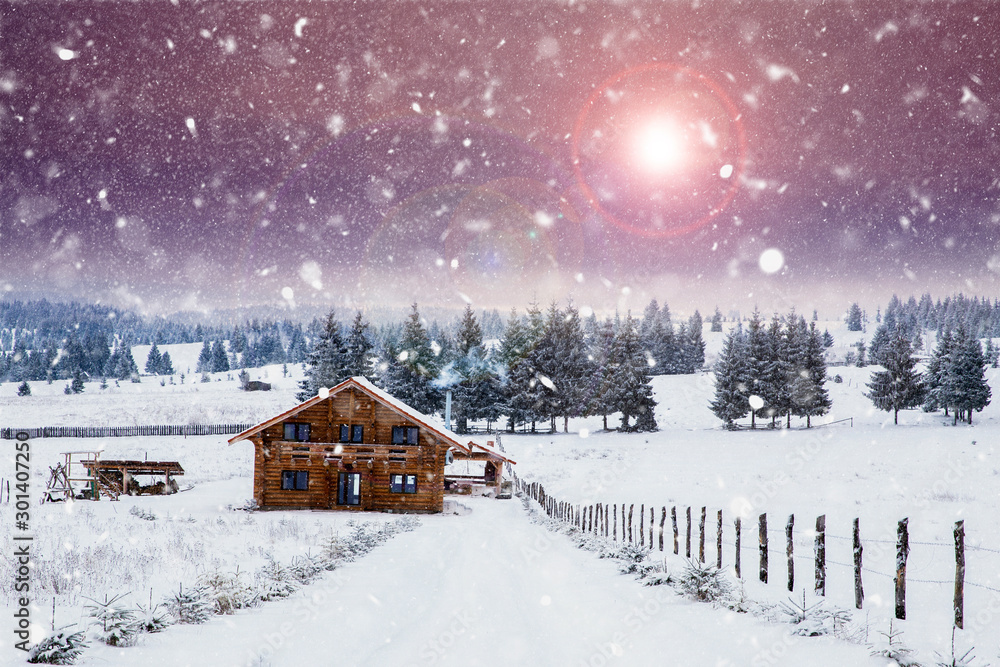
x: 403, y: 483
x: 405, y: 433
x: 300, y: 431
x: 357, y: 433
x: 345, y: 433
x: 294, y: 480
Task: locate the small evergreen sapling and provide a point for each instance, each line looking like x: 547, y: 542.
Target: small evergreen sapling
x: 24, y: 389
x: 115, y: 625
x: 193, y: 605
x: 62, y: 647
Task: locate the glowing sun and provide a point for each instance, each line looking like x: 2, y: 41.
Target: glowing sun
x: 659, y: 146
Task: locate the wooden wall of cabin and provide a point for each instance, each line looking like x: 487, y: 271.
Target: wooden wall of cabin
x: 319, y: 457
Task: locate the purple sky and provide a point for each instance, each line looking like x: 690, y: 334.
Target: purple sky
x: 217, y: 154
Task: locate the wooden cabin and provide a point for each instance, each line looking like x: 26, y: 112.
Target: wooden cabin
x: 352, y: 447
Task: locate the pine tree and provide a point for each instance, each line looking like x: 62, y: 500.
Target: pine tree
x: 759, y: 360
x: 716, y: 321
x: 854, y: 317
x: 204, y: 358
x: 630, y: 391
x: 936, y: 372
x: 899, y: 386
x: 991, y: 355
x: 357, y: 362
x: 220, y: 361
x: 695, y: 345
x: 602, y: 344
x: 574, y: 372
x: 154, y: 360
x: 77, y: 385
x: 808, y: 392
x: 166, y: 364
x: 966, y: 389
x: 411, y: 372
x: 326, y: 362
x: 24, y: 389
x: 732, y: 380
x: 879, y: 342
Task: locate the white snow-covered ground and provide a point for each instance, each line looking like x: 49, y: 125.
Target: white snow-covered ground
x: 490, y: 587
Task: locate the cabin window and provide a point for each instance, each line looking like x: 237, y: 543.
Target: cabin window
x: 403, y: 483
x: 294, y: 480
x: 345, y: 433
x: 296, y: 432
x: 349, y: 488
x: 357, y: 433
x: 405, y: 435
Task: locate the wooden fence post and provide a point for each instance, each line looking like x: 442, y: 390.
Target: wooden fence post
x: 652, y: 522
x: 623, y: 523
x: 630, y: 508
x: 820, y: 550
x: 663, y: 520
x: 718, y: 541
x: 688, y: 547
x: 859, y: 591
x: 642, y: 521
x: 701, y: 537
x: 673, y: 517
x: 605, y: 519
x: 762, y: 539
x: 738, y: 535
x: 959, y: 574
x: 788, y: 551
x: 902, y: 552
x: 614, y: 524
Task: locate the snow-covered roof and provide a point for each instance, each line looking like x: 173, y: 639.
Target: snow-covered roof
x: 485, y: 445
x: 432, y: 424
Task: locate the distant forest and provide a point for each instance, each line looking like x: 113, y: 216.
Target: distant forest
x: 43, y: 340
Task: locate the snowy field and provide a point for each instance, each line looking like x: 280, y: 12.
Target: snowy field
x: 489, y: 585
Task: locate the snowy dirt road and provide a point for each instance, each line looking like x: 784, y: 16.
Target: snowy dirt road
x: 488, y: 587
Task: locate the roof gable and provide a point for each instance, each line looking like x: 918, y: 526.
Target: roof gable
x: 366, y: 387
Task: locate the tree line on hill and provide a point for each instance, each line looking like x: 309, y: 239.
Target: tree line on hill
x: 545, y: 366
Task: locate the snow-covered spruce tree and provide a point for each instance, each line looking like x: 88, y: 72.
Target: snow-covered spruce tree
x: 191, y: 605
x: 601, y: 345
x: 716, y: 321
x: 574, y: 371
x: 113, y: 624
x: 991, y: 353
x: 166, y: 364
x: 468, y: 362
x: 24, y: 389
x: 965, y: 386
x: 779, y: 368
x: 358, y: 349
x: 204, y: 364
x: 62, y: 647
x: 760, y: 355
x: 731, y: 380
x: 220, y: 360
x: 121, y: 365
x: 515, y: 346
x: 629, y: 390
x: 936, y: 372
x: 694, y: 345
x: 154, y: 360
x: 899, y: 386
x: 808, y: 391
x: 879, y: 342
x: 854, y: 317
x: 326, y: 361
x: 413, y: 367
x: 654, y: 339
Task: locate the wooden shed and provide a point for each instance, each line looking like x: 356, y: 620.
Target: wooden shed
x: 352, y: 447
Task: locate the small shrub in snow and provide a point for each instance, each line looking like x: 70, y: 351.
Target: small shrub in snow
x: 892, y: 647
x: 114, y: 624
x: 227, y: 592
x: 704, y: 583
x: 274, y: 581
x: 141, y: 513
x: 305, y: 569
x: 812, y: 620
x: 62, y: 647
x: 964, y: 660
x: 193, y: 605
x: 153, y: 618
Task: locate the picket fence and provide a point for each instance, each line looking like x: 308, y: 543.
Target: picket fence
x: 121, y: 431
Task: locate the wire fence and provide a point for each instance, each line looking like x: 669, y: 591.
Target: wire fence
x: 689, y: 531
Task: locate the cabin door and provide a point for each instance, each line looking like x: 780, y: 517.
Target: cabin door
x: 349, y: 488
